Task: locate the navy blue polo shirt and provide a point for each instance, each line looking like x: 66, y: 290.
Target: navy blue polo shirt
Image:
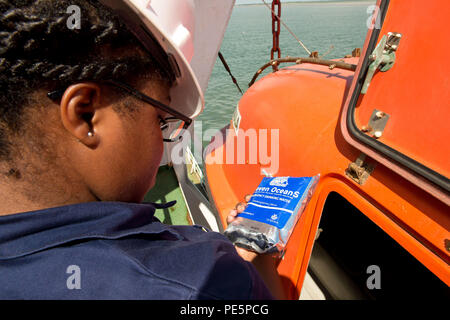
x: 111, y: 250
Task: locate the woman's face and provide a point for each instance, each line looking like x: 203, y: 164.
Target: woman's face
x: 124, y: 163
x: 142, y: 150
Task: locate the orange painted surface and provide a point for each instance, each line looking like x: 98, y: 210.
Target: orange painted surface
x: 415, y: 92
x: 304, y: 103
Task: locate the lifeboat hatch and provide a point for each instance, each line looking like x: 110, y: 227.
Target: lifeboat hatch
x: 405, y: 80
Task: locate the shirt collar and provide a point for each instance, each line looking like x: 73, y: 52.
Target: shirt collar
x: 28, y: 232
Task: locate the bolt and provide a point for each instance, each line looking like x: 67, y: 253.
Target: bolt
x: 378, y: 134
x: 365, y: 128
x: 379, y: 114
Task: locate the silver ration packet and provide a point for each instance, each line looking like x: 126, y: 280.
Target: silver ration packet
x: 271, y: 214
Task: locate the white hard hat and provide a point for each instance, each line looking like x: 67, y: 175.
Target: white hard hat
x: 166, y: 29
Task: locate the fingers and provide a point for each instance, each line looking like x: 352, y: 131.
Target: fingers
x: 232, y: 216
x: 239, y: 208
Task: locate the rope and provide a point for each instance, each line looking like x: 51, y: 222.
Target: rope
x: 225, y: 64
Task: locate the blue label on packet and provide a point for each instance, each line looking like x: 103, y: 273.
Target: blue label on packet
x: 276, y: 199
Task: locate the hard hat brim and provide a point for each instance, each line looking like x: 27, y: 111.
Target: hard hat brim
x: 186, y: 94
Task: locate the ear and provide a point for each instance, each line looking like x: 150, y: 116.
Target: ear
x: 78, y: 107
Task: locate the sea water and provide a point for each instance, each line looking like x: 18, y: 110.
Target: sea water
x: 248, y: 40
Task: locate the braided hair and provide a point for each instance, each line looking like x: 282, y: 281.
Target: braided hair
x: 38, y: 50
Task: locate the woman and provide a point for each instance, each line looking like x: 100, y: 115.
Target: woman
x: 82, y: 119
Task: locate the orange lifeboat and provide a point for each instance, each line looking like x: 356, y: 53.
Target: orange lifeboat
x: 379, y: 139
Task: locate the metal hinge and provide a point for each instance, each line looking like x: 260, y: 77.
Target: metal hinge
x: 359, y: 171
x: 383, y: 57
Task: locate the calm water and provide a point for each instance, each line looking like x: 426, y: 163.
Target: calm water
x: 248, y: 40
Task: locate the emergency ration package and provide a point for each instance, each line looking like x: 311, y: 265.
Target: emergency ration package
x: 271, y: 214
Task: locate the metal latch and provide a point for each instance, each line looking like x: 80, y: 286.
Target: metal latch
x: 383, y: 57
x: 377, y: 123
x: 359, y: 171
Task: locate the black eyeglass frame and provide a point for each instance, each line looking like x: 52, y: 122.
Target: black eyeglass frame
x: 57, y: 95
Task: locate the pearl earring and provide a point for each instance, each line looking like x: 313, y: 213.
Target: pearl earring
x: 90, y: 134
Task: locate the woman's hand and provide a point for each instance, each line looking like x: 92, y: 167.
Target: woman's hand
x: 265, y: 264
x: 240, y: 207
x: 232, y: 216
